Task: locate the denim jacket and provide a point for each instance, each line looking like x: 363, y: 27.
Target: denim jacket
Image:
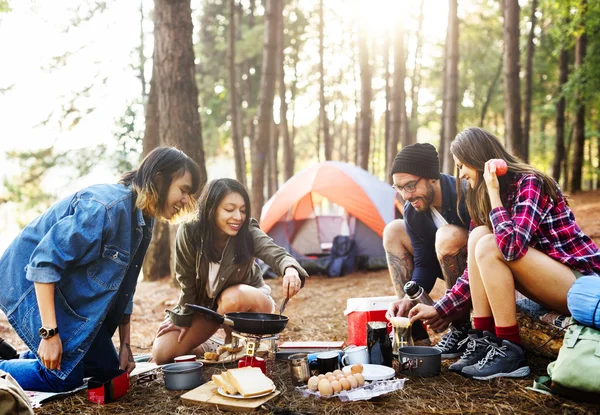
x: 421, y: 229
x: 83, y: 244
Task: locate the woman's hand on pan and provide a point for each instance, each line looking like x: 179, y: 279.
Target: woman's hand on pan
x: 167, y: 326
x: 291, y: 282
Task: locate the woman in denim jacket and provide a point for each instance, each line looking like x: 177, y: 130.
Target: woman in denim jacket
x: 215, y: 268
x: 70, y: 275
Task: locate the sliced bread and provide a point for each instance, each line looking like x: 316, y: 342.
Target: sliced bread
x: 250, y: 381
x: 222, y: 382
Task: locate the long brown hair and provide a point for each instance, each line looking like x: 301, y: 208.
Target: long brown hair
x: 473, y: 147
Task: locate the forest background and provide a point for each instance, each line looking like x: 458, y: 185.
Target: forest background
x: 258, y: 90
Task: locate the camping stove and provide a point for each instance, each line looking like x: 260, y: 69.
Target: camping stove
x: 254, y: 353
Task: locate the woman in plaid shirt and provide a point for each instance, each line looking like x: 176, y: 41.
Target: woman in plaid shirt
x: 523, y: 236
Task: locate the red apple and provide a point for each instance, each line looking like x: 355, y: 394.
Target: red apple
x: 501, y: 167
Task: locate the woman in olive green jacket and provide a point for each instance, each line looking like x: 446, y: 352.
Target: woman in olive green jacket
x: 215, y: 268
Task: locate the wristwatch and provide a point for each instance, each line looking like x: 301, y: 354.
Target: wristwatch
x: 47, y: 332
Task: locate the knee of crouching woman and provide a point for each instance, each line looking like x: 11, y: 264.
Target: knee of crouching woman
x: 486, y: 248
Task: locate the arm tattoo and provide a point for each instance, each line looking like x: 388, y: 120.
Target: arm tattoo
x: 454, y: 265
x: 401, y: 270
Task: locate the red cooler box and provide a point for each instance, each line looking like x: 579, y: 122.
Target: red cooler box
x: 360, y: 311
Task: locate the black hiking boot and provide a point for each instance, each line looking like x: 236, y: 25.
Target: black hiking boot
x: 477, y: 342
x: 451, y: 344
x: 7, y: 352
x: 505, y: 361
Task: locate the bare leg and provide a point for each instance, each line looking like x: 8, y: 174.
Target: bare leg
x: 481, y: 305
x: 235, y: 298
x: 399, y: 253
x: 538, y: 276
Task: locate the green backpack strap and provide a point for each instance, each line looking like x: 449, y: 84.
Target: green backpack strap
x: 542, y: 385
x: 573, y: 336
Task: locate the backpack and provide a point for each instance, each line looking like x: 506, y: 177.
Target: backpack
x: 13, y: 399
x: 342, y: 258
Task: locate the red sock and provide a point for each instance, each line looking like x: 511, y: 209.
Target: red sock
x: 510, y: 333
x: 484, y: 323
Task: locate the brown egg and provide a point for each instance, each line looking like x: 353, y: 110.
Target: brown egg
x: 331, y: 378
x: 313, y: 383
x: 321, y: 377
x: 337, y: 386
x: 358, y: 368
x: 345, y: 384
x: 340, y: 376
x: 328, y: 374
x: 359, y: 378
x: 353, y: 381
x: 325, y: 388
x: 338, y: 372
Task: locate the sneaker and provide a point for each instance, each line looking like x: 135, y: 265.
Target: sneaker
x: 211, y: 345
x: 449, y: 343
x: 477, y: 347
x: 501, y: 361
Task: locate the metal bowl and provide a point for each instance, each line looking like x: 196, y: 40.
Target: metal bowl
x: 182, y: 376
x: 420, y: 361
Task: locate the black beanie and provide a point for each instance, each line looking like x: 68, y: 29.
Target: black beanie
x: 420, y: 159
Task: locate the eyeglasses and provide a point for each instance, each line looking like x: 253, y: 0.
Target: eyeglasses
x: 408, y: 188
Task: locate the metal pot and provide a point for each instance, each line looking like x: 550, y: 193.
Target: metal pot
x: 182, y: 376
x: 419, y: 361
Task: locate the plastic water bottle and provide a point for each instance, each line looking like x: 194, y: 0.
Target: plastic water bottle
x: 417, y: 294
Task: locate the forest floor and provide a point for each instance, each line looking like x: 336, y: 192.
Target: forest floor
x: 316, y: 313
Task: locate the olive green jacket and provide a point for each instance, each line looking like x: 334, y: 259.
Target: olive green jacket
x: 192, y: 272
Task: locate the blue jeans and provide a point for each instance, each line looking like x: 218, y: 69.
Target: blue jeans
x: 100, y: 360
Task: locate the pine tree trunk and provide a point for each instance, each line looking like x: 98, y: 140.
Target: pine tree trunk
x: 179, y: 121
x: 512, y: 94
x: 237, y: 137
x: 398, y: 126
x: 579, y: 127
x: 327, y: 144
x: 155, y: 265
x: 366, y: 115
x: 559, y: 147
x: 288, y: 144
x: 272, y: 163
x: 450, y: 86
x: 273, y: 13
x: 388, y: 99
x: 416, y: 79
x: 529, y: 84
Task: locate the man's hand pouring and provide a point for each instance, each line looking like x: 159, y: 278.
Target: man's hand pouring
x: 429, y: 315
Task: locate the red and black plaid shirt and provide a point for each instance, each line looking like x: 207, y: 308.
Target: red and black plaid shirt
x: 530, y: 220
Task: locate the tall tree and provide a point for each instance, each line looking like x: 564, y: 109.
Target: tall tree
x: 366, y: 95
x: 398, y: 128
x: 327, y: 142
x: 237, y: 136
x: 579, y: 127
x: 273, y: 13
x: 272, y: 165
x: 388, y: 98
x: 529, y: 83
x: 287, y: 141
x: 157, y: 261
x: 416, y: 78
x: 178, y: 118
x: 512, y: 94
x: 559, y: 148
x: 450, y: 86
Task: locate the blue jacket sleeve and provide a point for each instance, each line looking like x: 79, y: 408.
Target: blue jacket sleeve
x: 427, y: 268
x: 73, y: 240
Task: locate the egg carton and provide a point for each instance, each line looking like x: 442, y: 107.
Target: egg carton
x: 367, y: 391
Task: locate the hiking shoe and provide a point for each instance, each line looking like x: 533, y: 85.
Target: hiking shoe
x: 449, y: 343
x: 501, y: 361
x: 477, y: 347
x: 211, y: 345
x: 7, y: 351
x: 419, y: 334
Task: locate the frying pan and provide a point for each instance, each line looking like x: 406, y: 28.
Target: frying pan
x: 245, y: 322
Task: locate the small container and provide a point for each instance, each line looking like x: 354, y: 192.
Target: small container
x: 417, y: 294
x: 420, y: 361
x: 103, y: 390
x: 185, y: 358
x: 182, y: 376
x: 253, y: 361
x: 299, y: 370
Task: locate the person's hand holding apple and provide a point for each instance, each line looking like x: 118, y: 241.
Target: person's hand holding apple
x: 501, y: 167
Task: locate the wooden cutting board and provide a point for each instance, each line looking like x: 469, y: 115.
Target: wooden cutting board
x: 207, y: 394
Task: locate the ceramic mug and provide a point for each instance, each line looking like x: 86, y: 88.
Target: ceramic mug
x: 355, y: 355
x: 328, y: 362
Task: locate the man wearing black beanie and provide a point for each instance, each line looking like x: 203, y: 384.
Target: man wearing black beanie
x: 430, y: 242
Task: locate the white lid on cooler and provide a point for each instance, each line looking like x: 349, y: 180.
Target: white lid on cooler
x: 368, y: 304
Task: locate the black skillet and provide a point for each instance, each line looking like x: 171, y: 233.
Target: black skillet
x: 245, y: 322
